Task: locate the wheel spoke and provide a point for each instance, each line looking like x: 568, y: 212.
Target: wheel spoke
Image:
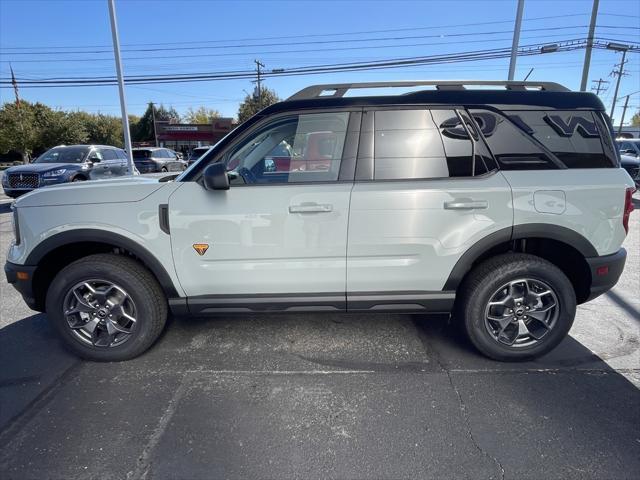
x: 119, y: 311
x: 101, y: 338
x: 114, y: 327
x: 88, y: 326
x: 82, y: 305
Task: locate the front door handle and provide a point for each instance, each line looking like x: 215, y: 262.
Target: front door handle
x: 310, y: 208
x: 466, y: 204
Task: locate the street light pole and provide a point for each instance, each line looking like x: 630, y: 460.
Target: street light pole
x: 123, y: 105
x: 587, y: 53
x: 516, y: 40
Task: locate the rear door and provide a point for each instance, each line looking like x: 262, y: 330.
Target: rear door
x: 99, y: 169
x: 277, y: 238
x: 426, y: 190
x: 116, y: 164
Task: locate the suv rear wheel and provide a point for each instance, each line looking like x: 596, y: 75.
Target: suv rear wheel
x: 107, y: 307
x: 516, y: 307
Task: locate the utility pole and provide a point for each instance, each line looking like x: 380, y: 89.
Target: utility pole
x: 14, y: 82
x: 624, y: 111
x: 619, y: 74
x: 587, y: 53
x: 516, y: 40
x: 153, y: 117
x: 123, y: 104
x: 528, y: 74
x: 599, y: 88
x: 258, y: 85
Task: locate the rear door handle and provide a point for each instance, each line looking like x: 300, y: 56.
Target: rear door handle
x: 310, y: 208
x: 466, y: 204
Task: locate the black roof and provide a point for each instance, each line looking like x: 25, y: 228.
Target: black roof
x: 503, y: 99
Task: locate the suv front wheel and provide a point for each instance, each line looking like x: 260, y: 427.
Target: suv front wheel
x: 516, y: 307
x: 106, y: 307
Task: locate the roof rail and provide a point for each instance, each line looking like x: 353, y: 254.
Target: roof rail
x: 340, y: 89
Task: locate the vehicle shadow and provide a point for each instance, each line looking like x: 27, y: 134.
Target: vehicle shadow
x: 31, y: 361
x: 569, y: 407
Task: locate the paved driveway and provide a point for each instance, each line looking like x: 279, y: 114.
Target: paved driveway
x: 324, y: 396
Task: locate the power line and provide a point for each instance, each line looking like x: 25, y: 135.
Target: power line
x: 333, y: 34
x: 313, y: 42
x: 314, y: 69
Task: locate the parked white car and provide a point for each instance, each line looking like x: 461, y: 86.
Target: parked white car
x: 505, y: 207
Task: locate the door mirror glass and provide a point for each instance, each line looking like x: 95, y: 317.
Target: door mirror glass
x: 215, y: 177
x: 94, y: 157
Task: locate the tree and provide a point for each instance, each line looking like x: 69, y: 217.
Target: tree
x: 101, y: 129
x: 201, y: 115
x: 17, y: 131
x: 635, y: 120
x: 143, y: 130
x: 33, y: 128
x: 252, y: 104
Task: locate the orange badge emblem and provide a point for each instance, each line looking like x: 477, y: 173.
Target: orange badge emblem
x: 201, y: 248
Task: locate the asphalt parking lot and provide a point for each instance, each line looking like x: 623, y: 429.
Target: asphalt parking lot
x: 324, y: 396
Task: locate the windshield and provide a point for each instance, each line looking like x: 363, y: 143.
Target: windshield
x: 63, y: 155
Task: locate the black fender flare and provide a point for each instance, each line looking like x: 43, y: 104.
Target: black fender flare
x: 517, y: 232
x: 103, y: 236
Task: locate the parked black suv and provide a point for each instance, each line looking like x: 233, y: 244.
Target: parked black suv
x: 65, y: 163
x: 153, y: 159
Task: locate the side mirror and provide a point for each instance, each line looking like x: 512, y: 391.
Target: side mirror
x: 94, y: 159
x: 215, y: 177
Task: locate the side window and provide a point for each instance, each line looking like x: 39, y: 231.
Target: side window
x: 572, y: 136
x: 297, y: 148
x: 422, y: 144
x: 109, y: 154
x: 510, y: 145
x: 407, y: 145
x: 96, y: 154
x: 458, y: 146
x: 169, y: 154
x: 122, y: 155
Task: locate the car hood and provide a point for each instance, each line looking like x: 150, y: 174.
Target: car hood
x: 120, y: 190
x: 41, y: 167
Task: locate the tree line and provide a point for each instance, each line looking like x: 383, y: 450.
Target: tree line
x: 28, y: 129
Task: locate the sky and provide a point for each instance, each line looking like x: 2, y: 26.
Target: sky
x: 51, y: 39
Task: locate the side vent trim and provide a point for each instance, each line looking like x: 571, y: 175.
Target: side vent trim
x: 163, y: 216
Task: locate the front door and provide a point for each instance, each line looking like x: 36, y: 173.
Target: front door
x: 277, y: 238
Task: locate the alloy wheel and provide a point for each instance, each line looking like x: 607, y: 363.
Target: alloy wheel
x: 100, y: 313
x: 522, y: 312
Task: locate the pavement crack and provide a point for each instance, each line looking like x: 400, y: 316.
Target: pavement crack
x: 467, y: 423
x: 144, y: 460
x: 426, y: 342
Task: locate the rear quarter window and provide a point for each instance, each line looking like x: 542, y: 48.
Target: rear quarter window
x: 573, y: 137
x: 543, y: 140
x: 141, y: 154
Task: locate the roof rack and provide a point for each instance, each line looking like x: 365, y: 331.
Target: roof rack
x: 340, y: 89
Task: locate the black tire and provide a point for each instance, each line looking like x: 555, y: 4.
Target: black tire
x: 78, y: 179
x: 143, y: 289
x: 164, y: 169
x: 487, y: 278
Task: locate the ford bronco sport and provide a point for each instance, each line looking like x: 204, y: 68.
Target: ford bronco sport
x: 505, y: 206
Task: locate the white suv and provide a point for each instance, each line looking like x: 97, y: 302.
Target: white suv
x: 505, y: 206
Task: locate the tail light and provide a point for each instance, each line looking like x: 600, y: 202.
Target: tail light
x: 628, y: 208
